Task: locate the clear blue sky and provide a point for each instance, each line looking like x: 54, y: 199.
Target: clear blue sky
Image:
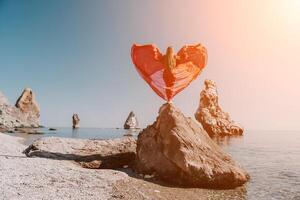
x: 76, y: 56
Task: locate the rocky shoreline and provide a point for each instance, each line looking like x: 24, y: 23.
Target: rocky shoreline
x: 41, y: 178
x: 174, y: 152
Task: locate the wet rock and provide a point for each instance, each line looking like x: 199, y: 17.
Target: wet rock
x: 128, y: 135
x: 33, y: 131
x: 214, y: 120
x: 105, y: 154
x: 131, y: 121
x: 176, y: 149
x: 75, y: 121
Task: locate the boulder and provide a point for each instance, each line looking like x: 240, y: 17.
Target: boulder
x: 131, y: 121
x: 24, y: 114
x: 104, y: 154
x: 176, y: 149
x: 75, y: 121
x: 214, y: 120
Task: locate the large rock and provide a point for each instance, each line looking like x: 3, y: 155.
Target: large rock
x: 214, y: 120
x: 177, y: 149
x: 75, y: 121
x: 131, y: 121
x: 26, y: 113
x: 89, y: 153
x: 27, y: 104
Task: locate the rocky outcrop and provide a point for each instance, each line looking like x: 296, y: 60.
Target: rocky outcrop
x: 104, y: 154
x: 131, y: 121
x: 176, y: 149
x: 26, y: 113
x: 214, y: 120
x: 75, y: 121
x: 27, y: 104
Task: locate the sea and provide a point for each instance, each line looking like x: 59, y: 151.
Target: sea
x: 272, y: 158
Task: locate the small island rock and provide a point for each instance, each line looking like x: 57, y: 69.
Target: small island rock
x: 75, y: 121
x: 176, y: 149
x: 214, y: 120
x: 131, y: 121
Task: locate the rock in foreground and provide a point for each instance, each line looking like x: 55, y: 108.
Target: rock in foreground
x: 131, y: 121
x: 104, y: 154
x: 178, y: 150
x: 214, y: 120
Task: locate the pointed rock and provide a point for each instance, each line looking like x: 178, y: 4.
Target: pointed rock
x: 26, y: 113
x: 214, y: 120
x: 176, y: 149
x: 131, y: 121
x: 27, y: 104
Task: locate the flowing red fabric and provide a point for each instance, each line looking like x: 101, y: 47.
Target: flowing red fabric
x: 168, y: 74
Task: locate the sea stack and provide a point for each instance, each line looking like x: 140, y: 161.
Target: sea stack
x: 75, y: 121
x: 131, y: 121
x: 25, y: 113
x: 176, y: 149
x: 214, y: 120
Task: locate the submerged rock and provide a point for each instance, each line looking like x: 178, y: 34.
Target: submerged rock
x: 32, y: 131
x: 131, y: 121
x: 26, y: 113
x: 214, y: 120
x: 104, y: 154
x: 75, y: 121
x: 176, y: 149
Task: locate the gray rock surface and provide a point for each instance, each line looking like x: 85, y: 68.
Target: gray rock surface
x: 177, y: 149
x: 24, y: 114
x: 104, y: 154
x: 214, y: 120
x: 131, y: 121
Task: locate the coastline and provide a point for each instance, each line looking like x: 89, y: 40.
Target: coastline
x: 41, y: 178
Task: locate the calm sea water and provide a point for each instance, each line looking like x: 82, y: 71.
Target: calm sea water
x: 85, y: 133
x: 273, y: 160
x: 271, y: 157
